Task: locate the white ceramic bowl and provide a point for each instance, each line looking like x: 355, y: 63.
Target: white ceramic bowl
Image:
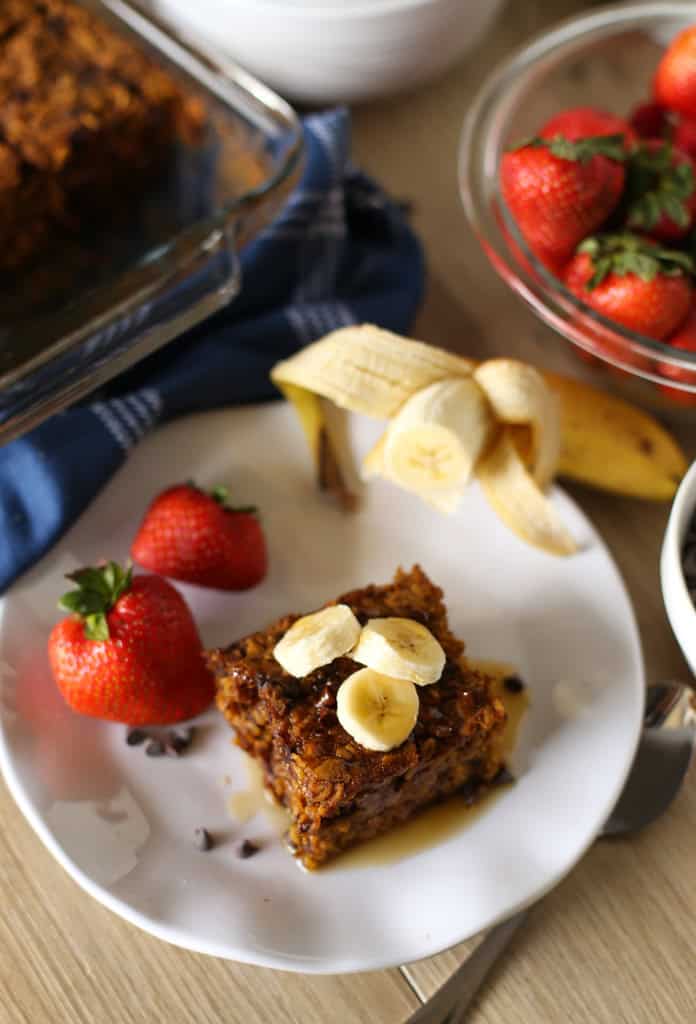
x: 328, y: 51
x: 680, y: 608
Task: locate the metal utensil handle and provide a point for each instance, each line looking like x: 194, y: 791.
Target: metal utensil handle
x: 460, y: 990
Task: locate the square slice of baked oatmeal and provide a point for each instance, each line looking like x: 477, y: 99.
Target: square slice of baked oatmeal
x: 339, y: 793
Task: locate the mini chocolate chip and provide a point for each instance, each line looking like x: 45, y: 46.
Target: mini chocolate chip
x: 155, y: 748
x: 134, y: 737
x: 503, y: 777
x: 247, y: 849
x: 513, y: 684
x: 178, y: 742
x: 292, y: 688
x: 203, y: 839
x: 469, y: 791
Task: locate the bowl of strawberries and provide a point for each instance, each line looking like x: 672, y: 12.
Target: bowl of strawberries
x: 578, y: 174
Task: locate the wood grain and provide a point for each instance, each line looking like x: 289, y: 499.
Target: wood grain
x: 611, y: 944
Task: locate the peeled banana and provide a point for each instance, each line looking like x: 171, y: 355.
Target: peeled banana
x: 379, y: 712
x: 401, y: 648
x: 316, y: 639
x: 450, y: 418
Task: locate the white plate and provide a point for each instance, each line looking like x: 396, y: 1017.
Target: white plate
x: 122, y: 824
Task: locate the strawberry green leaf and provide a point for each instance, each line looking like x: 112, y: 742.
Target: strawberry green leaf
x: 96, y: 627
x: 625, y: 253
x: 657, y: 188
x: 246, y: 510
x: 582, y: 150
x: 220, y: 494
x: 96, y: 593
x: 603, y: 266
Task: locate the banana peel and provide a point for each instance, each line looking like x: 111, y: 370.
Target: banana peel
x: 610, y: 444
x: 514, y: 495
x: 368, y: 370
x: 519, y: 395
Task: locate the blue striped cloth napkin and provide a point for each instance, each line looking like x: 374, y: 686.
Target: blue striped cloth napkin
x: 340, y: 253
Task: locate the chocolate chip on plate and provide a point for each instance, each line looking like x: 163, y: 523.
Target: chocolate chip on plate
x: 178, y: 742
x: 513, y: 684
x: 134, y: 737
x: 247, y: 849
x: 203, y: 839
x: 155, y: 748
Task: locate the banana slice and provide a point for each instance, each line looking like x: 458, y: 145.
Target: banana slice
x: 519, y: 394
x: 316, y: 639
x: 401, y: 648
x: 379, y: 712
x: 516, y: 498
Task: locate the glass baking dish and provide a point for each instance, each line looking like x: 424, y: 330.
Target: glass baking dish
x: 88, y: 313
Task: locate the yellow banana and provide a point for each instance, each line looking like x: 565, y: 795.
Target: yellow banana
x: 449, y: 416
x: 611, y: 444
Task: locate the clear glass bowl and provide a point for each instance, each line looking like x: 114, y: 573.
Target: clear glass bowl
x: 94, y: 306
x: 607, y: 59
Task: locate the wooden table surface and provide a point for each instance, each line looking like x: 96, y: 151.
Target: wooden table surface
x: 613, y: 942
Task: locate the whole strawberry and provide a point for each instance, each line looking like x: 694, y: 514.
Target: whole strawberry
x: 130, y: 651
x: 586, y: 122
x: 632, y: 281
x: 193, y: 536
x: 684, y: 339
x: 559, y: 191
x: 674, y: 85
x: 660, y: 190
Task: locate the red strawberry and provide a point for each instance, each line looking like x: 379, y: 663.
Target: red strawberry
x: 660, y: 190
x: 130, y: 652
x: 560, y: 191
x: 674, y: 85
x: 684, y: 339
x: 588, y: 122
x: 684, y: 137
x: 633, y: 282
x: 192, y: 536
x: 650, y: 121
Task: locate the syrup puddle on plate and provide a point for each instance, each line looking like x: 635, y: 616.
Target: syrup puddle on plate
x: 245, y: 804
x: 429, y: 827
